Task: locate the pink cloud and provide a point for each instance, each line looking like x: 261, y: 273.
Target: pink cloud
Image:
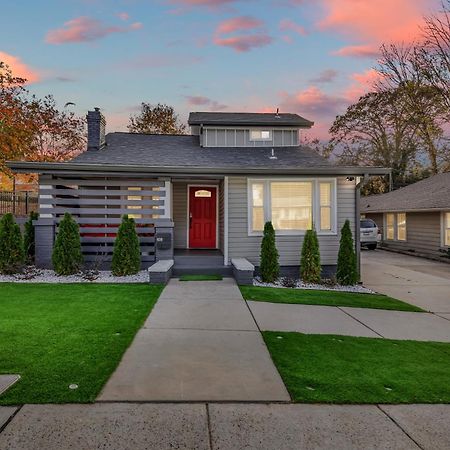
x: 238, y: 24
x: 85, y: 29
x: 19, y: 68
x: 244, y: 43
x: 289, y: 25
x: 360, y: 51
x: 379, y: 20
x: 123, y: 16
x: 211, y: 105
x: 362, y: 83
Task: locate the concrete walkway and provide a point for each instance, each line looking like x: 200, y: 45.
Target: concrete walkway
x: 200, y: 343
x: 419, y: 281
x: 364, y: 322
x: 131, y: 426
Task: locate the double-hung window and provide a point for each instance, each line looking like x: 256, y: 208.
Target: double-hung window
x: 293, y: 206
x: 396, y: 226
x: 447, y: 229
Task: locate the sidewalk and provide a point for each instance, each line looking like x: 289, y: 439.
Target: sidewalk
x: 221, y: 426
x: 200, y: 343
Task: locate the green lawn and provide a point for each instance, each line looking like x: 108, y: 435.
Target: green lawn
x: 330, y: 298
x: 343, y: 369
x: 54, y: 335
x: 201, y: 277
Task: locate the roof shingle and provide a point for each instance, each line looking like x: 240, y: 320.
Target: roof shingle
x: 430, y: 194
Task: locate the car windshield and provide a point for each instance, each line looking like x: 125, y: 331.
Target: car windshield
x: 367, y: 223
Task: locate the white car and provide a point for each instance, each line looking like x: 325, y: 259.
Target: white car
x: 368, y: 234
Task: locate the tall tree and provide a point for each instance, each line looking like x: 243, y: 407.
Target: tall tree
x: 158, y: 119
x: 378, y: 130
x: 32, y: 128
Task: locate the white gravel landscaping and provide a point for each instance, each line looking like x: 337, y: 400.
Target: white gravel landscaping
x: 320, y: 287
x: 33, y: 275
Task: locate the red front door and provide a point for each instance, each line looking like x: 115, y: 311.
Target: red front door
x: 202, y: 217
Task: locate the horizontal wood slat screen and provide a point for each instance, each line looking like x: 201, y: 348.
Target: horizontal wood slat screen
x: 97, y: 205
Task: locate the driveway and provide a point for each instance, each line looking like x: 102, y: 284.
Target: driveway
x: 419, y: 281
x: 200, y: 343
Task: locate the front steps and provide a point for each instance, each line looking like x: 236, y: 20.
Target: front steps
x: 200, y: 262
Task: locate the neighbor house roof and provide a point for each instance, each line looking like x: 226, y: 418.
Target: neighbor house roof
x: 248, y: 119
x: 143, y: 153
x: 430, y: 194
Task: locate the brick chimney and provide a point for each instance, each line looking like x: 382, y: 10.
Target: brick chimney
x: 96, y: 130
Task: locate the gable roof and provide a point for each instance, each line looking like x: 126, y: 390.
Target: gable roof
x: 248, y: 119
x: 429, y: 194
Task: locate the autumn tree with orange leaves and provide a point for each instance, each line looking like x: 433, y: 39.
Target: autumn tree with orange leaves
x: 34, y: 129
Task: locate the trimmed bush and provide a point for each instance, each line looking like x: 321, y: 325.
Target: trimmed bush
x: 67, y: 258
x: 347, y: 271
x: 29, y: 237
x: 269, y: 267
x: 310, y: 259
x: 11, y: 245
x: 126, y: 258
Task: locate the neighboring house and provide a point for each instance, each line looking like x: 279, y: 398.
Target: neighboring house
x: 414, y: 219
x: 204, y: 197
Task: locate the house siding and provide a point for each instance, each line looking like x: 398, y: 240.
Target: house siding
x: 179, y: 199
x: 240, y: 137
x: 221, y: 205
x: 289, y: 247
x: 423, y: 233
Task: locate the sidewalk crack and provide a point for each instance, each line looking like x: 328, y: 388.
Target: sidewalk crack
x: 399, y: 426
x: 208, y: 423
x: 9, y: 420
x: 362, y: 323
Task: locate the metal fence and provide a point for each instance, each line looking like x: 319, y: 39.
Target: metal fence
x: 18, y: 203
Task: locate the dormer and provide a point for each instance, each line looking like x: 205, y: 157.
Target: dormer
x: 228, y: 129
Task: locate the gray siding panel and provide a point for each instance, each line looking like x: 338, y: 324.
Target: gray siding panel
x: 180, y: 214
x: 423, y: 234
x: 243, y: 246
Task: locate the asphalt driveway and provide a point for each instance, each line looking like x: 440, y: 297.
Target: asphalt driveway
x: 419, y: 281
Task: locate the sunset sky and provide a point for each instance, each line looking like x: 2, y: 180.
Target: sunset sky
x: 313, y: 57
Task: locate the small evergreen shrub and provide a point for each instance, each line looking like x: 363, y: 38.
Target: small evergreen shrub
x: 269, y: 266
x: 310, y: 258
x: 11, y: 245
x: 126, y: 258
x: 347, y: 271
x: 67, y: 257
x: 29, y: 237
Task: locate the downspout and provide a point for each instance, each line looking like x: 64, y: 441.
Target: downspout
x: 359, y: 185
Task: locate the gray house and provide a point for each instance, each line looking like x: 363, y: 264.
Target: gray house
x: 200, y: 199
x: 414, y: 219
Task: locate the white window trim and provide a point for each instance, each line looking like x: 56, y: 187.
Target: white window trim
x: 267, y: 207
x: 443, y: 229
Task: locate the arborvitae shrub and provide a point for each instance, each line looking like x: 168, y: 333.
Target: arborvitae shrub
x: 67, y: 258
x: 29, y: 237
x: 11, y: 245
x: 347, y: 271
x: 310, y: 259
x: 269, y: 267
x: 126, y: 258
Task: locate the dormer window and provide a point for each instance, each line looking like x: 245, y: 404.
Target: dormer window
x: 260, y: 135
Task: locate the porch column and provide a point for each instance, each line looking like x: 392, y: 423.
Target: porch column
x: 44, y: 230
x: 167, y: 200
x: 225, y: 222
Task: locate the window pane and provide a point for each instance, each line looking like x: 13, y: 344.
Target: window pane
x: 325, y: 218
x: 325, y: 194
x: 260, y: 135
x: 258, y: 219
x: 390, y: 226
x: 390, y: 219
x: 447, y: 236
x: 447, y: 229
x: 258, y: 194
x: 401, y: 227
x: 291, y: 205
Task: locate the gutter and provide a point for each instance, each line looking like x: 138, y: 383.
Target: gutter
x: 114, y: 169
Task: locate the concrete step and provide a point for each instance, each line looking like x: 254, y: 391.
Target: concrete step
x: 197, y: 260
x: 225, y: 271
